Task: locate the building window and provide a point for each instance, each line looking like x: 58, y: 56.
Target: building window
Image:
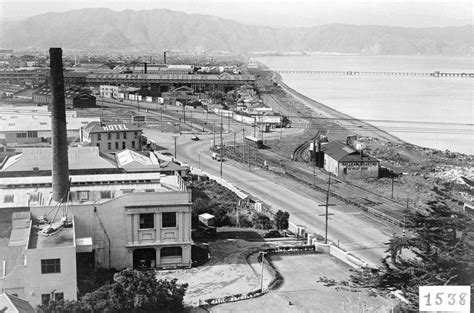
x: 45, y: 297
x: 8, y: 198
x: 109, y: 136
x: 170, y: 251
x: 116, y: 145
x: 50, y: 266
x: 34, y: 197
x: 99, y: 136
x: 135, y: 134
x: 169, y: 219
x: 21, y: 135
x: 109, y: 146
x: 133, y: 144
x: 105, y: 194
x: 98, y: 145
x: 32, y: 134
x: 118, y: 135
x: 124, y: 135
x: 59, y: 296
x: 83, y: 195
x: 147, y: 220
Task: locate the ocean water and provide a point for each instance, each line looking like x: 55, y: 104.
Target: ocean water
x: 426, y: 111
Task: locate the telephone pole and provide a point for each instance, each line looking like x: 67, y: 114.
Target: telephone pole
x: 214, y: 133
x: 175, y: 137
x: 249, y: 158
x: 243, y: 146
x: 220, y: 147
x: 327, y: 205
x: 261, y: 260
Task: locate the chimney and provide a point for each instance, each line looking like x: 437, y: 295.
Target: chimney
x: 58, y: 126
x: 164, y: 57
x: 145, y: 68
x: 361, y: 154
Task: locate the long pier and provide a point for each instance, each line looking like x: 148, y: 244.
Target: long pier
x: 361, y: 73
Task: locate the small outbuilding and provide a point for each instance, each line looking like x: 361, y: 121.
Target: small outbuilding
x: 345, y: 161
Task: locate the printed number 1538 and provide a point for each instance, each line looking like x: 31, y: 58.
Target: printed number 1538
x: 445, y: 298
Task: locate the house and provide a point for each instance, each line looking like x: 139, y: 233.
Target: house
x: 344, y: 161
x: 13, y: 304
x: 182, y: 94
x: 112, y: 137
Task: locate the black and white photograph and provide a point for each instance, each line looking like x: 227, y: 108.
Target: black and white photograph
x: 236, y: 156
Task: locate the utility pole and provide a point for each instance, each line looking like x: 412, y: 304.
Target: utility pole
x: 261, y: 260
x: 220, y: 148
x: 184, y: 113
x: 281, y: 126
x: 254, y: 125
x: 327, y: 205
x: 314, y: 162
x: 235, y: 143
x: 243, y: 146
x: 214, y: 133
x: 392, y: 187
x: 175, y: 137
x: 249, y: 158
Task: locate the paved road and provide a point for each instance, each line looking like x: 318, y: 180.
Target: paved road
x: 355, y: 232
x: 303, y: 292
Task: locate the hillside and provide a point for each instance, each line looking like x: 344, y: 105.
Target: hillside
x: 165, y: 29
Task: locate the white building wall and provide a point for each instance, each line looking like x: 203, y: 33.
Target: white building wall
x: 37, y: 283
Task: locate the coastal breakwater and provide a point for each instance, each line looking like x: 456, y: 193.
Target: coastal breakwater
x: 364, y: 73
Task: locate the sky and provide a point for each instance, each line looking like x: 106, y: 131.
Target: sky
x: 277, y: 13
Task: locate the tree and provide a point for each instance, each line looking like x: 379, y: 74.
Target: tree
x: 440, y: 252
x: 131, y: 291
x: 281, y: 219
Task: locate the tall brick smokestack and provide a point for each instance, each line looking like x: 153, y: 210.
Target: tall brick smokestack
x: 58, y: 126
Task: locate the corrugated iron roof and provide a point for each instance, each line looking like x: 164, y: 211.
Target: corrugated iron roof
x: 343, y: 153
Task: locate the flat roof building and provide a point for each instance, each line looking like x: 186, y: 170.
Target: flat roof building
x: 21, y: 126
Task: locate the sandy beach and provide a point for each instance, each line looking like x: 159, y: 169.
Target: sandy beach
x: 363, y: 128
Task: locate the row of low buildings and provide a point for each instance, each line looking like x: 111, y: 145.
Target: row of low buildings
x: 124, y: 211
x: 161, y: 81
x: 29, y: 126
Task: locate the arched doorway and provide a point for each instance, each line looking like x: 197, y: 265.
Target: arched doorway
x: 144, y: 258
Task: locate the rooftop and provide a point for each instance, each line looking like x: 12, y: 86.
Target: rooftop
x: 40, y: 159
x: 64, y: 238
x: 13, y: 304
x: 68, y: 93
x: 190, y: 77
x: 37, y: 121
x: 343, y: 153
x: 98, y: 127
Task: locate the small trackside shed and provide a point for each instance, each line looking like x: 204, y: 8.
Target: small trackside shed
x: 344, y: 161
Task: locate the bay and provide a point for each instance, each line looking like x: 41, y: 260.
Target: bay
x: 434, y: 112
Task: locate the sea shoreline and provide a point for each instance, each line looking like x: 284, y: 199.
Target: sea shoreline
x: 327, y: 111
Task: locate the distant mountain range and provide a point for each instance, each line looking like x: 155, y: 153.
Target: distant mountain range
x: 165, y: 29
